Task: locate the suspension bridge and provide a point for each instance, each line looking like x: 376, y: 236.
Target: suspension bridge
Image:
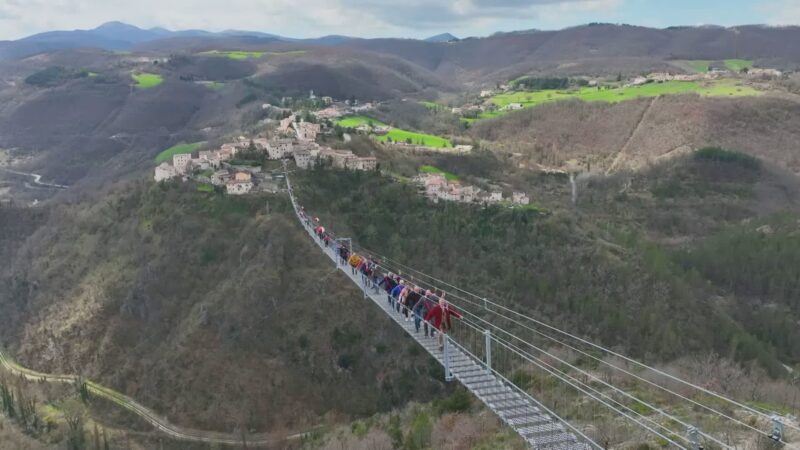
x: 496, y: 352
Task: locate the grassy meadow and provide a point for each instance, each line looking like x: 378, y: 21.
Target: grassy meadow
x: 704, y: 65
x: 396, y: 134
x: 213, y: 85
x: 177, y: 150
x: 235, y: 54
x: 433, y: 169
x: 717, y: 88
x: 355, y: 121
x: 241, y: 55
x: 147, y: 80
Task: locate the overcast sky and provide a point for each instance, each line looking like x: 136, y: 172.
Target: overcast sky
x: 373, y: 18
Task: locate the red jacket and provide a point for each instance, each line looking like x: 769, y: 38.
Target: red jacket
x: 437, y: 315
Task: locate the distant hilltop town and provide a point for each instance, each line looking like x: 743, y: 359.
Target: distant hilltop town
x: 296, y: 140
x: 436, y: 187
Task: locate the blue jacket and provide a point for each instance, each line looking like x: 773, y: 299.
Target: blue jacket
x: 397, y: 290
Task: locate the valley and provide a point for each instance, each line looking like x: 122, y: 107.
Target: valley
x: 602, y: 205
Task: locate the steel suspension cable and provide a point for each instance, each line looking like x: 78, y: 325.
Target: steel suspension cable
x: 665, y: 389
x: 599, y: 347
x: 594, y: 377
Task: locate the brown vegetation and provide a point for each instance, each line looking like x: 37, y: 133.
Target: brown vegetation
x: 593, y: 134
x: 203, y: 307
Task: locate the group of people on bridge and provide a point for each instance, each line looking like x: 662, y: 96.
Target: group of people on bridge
x: 424, y: 306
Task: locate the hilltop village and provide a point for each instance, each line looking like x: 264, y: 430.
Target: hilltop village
x: 295, y: 139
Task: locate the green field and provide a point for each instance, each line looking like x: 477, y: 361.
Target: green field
x: 432, y: 169
x: 699, y: 66
x: 396, y: 134
x: 355, y: 121
x: 287, y: 53
x: 428, y: 140
x: 703, y: 65
x: 213, y: 85
x: 737, y: 65
x: 234, y: 54
x: 176, y: 150
x: 147, y: 80
x: 433, y: 106
x: 719, y: 88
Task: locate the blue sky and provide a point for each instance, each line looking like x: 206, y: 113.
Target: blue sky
x: 373, y: 18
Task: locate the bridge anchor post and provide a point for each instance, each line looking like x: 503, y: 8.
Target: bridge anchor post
x: 448, y: 376
x: 777, y: 429
x: 488, y: 337
x: 694, y: 438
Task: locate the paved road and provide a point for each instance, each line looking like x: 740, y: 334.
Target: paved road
x: 37, y: 179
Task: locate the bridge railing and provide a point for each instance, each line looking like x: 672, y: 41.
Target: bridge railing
x: 532, y: 356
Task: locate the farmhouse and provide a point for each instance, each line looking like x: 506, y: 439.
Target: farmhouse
x: 181, y: 162
x: 328, y: 113
x: 433, y: 184
x: 242, y: 176
x: 234, y: 187
x: 220, y: 177
x: 307, y: 131
x: 660, y: 76
x: 520, y: 198
x: 280, y: 149
x: 283, y: 127
x: 303, y: 159
x: 366, y: 163
x: 261, y: 144
x: 513, y: 106
x: 764, y: 73
x: 164, y: 172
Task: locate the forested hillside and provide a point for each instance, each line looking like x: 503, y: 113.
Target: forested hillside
x: 215, y: 311
x: 640, y: 263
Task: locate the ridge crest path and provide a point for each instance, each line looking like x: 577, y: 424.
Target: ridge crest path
x: 539, y: 427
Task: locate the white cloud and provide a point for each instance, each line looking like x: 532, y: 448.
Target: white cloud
x: 367, y: 18
x: 782, y: 12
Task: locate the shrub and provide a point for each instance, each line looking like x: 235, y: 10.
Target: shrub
x: 458, y: 401
x: 53, y: 76
x: 346, y: 361
x: 419, y: 436
x: 717, y: 154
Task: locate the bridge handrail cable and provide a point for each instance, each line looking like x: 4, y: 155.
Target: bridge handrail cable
x: 767, y: 415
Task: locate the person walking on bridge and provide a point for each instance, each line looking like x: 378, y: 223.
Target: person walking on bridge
x: 411, y: 301
x: 344, y: 253
x: 440, y: 316
x: 389, y: 284
x: 394, y: 295
x: 421, y: 310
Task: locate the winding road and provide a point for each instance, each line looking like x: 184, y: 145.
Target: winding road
x: 159, y: 423
x: 37, y: 179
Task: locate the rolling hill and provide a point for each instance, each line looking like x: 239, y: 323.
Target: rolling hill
x: 229, y: 326
x: 634, y: 133
x: 600, y: 46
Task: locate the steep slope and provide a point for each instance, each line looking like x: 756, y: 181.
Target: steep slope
x: 203, y: 307
x: 606, y: 270
x: 568, y: 132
